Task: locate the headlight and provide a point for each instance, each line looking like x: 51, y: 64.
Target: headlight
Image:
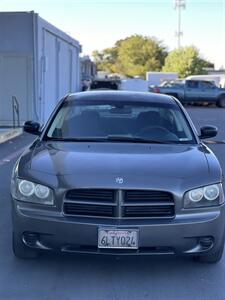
x: 26, y: 188
x: 210, y: 195
x: 42, y: 191
x: 211, y: 192
x: 27, y: 191
x: 196, y: 195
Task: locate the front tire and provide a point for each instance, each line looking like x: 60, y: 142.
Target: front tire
x: 221, y: 102
x: 212, y: 258
x: 20, y: 250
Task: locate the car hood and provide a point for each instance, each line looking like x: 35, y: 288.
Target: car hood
x: 136, y: 165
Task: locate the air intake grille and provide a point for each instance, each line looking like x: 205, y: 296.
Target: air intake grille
x: 148, y: 204
x: 90, y: 194
x: 129, y: 204
x: 89, y: 210
x: 90, y: 202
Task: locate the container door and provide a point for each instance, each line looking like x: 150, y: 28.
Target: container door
x: 65, y: 69
x: 15, y: 80
x: 50, y: 74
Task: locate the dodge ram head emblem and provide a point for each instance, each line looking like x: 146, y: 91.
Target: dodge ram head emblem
x: 119, y: 180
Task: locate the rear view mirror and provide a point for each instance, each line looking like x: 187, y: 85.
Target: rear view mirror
x: 208, y: 132
x: 32, y: 127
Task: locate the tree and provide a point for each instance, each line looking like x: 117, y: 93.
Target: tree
x: 106, y: 59
x: 133, y: 56
x: 185, y: 61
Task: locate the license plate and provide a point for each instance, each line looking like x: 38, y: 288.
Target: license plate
x: 118, y: 239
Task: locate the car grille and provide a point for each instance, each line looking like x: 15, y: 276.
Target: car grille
x: 155, y: 204
x: 90, y: 202
x: 126, y: 204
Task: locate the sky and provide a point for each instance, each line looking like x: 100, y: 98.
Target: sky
x: 98, y: 24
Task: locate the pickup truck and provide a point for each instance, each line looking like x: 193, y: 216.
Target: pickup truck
x: 196, y: 91
x: 104, y: 84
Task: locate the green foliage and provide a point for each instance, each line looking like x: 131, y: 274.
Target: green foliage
x: 133, y: 56
x: 106, y: 60
x: 137, y: 54
x: 185, y: 61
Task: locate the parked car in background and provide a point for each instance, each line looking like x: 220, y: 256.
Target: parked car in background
x: 104, y: 84
x: 171, y: 83
x: 119, y: 173
x: 196, y: 91
x: 218, y: 80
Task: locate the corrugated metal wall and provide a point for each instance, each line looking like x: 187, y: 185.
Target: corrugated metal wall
x: 58, y: 56
x: 38, y: 64
x: 15, y: 80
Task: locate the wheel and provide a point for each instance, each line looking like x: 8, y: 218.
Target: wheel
x: 221, y: 102
x: 212, y: 258
x: 20, y: 250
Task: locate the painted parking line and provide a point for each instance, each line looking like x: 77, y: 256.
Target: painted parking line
x: 11, y: 156
x: 214, y: 142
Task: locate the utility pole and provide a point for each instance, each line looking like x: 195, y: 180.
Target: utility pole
x: 179, y: 5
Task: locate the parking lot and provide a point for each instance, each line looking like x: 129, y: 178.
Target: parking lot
x: 99, y: 278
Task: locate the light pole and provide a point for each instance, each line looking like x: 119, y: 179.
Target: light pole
x: 179, y: 5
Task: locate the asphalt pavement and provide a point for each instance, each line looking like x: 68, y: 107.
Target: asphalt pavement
x: 99, y: 278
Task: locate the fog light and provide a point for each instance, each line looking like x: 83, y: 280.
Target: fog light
x: 30, y: 239
x: 206, y: 242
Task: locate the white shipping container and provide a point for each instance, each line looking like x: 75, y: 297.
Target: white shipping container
x: 38, y: 64
x: 157, y: 78
x: 134, y: 84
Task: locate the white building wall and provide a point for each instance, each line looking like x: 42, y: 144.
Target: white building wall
x: 134, y: 84
x: 58, y: 66
x: 16, y: 65
x: 38, y: 64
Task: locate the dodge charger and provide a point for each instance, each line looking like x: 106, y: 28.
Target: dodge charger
x: 120, y: 173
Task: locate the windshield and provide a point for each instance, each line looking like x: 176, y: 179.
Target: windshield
x: 122, y: 121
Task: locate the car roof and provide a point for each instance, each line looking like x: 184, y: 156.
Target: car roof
x: 121, y: 96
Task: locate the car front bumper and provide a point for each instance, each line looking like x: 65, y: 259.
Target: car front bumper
x: 187, y: 234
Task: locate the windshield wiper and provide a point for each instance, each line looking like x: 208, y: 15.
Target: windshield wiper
x: 78, y: 139
x: 134, y: 139
x: 113, y: 138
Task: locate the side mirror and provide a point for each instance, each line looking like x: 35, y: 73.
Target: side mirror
x: 31, y: 127
x: 208, y: 132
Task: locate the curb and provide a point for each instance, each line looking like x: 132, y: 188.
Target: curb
x: 8, y: 135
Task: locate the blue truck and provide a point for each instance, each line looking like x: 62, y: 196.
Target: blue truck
x: 195, y: 91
